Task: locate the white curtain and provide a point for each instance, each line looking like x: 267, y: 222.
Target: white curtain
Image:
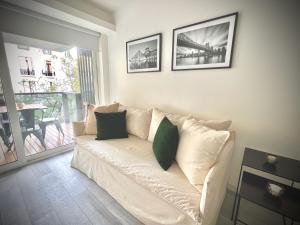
x: 86, y: 75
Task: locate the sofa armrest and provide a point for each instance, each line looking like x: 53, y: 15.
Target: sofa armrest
x: 215, y: 185
x: 78, y: 128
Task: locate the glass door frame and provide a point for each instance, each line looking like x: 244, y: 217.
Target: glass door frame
x: 12, y: 111
x: 14, y: 120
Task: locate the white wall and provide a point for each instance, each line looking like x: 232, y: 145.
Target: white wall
x: 260, y: 93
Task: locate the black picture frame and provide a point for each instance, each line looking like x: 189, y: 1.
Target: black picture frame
x: 209, y: 56
x: 136, y: 49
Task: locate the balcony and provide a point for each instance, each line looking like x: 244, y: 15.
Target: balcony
x: 71, y: 110
x: 53, y: 139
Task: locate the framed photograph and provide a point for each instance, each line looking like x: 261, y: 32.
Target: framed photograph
x: 204, y: 45
x: 144, y: 54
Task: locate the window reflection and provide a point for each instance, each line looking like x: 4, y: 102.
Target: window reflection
x: 7, y: 146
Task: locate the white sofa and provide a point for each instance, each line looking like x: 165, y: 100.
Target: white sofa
x: 128, y: 171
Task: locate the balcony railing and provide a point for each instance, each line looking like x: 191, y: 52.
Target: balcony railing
x: 71, y: 110
x: 72, y: 105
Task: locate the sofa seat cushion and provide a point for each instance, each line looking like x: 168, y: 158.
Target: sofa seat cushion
x: 134, y: 158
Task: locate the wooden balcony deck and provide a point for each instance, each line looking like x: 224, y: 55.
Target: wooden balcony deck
x: 32, y: 145
x: 6, y: 157
x: 53, y: 139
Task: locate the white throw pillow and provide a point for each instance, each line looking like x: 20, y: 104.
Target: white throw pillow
x: 198, y: 149
x: 91, y: 127
x: 157, y: 117
x: 137, y: 121
x: 216, y: 124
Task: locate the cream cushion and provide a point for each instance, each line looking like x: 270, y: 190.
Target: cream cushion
x: 216, y: 124
x: 137, y: 121
x: 90, y: 127
x: 78, y: 128
x: 158, y: 115
x: 198, y: 149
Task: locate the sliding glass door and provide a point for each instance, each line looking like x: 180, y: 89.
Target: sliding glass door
x: 11, y: 148
x: 47, y: 94
x: 50, y: 84
x: 7, y: 145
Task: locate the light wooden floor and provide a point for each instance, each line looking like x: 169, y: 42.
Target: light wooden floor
x: 50, y: 192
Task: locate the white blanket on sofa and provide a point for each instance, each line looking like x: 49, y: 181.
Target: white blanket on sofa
x: 134, y: 158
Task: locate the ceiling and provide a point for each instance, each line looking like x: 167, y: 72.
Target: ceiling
x: 32, y: 42
x: 109, y: 5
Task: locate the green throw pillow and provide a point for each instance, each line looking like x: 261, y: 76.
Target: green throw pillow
x: 111, y: 125
x: 165, y: 143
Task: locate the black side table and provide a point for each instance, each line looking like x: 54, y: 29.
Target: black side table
x: 284, y: 167
x: 254, y: 189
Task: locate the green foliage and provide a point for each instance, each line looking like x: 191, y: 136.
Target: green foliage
x: 70, y: 68
x: 49, y: 101
x: 76, y: 82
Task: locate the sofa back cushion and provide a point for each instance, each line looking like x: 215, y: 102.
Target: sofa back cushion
x: 111, y: 125
x: 137, y: 121
x: 157, y: 117
x: 90, y: 127
x: 165, y: 143
x: 198, y: 149
x: 216, y: 124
